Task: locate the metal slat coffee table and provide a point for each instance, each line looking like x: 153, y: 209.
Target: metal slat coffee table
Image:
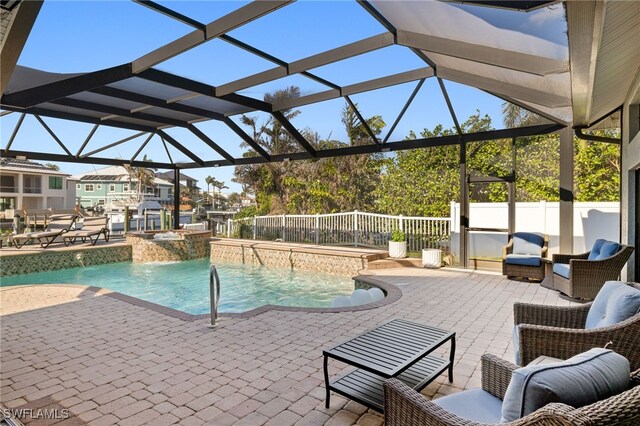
x: 398, y: 348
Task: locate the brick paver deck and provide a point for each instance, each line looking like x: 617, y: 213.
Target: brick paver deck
x: 110, y: 362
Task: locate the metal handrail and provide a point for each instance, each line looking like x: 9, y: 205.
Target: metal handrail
x: 214, y: 294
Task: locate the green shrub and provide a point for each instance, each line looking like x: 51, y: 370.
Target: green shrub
x: 398, y: 236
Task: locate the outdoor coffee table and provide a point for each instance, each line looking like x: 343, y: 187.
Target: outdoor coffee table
x: 398, y: 348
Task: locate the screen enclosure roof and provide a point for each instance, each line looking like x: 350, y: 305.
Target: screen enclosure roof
x: 518, y: 51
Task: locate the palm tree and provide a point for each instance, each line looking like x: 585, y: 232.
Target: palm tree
x: 515, y: 116
x: 209, y: 180
x: 142, y: 176
x: 220, y: 186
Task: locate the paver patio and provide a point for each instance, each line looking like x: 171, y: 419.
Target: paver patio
x: 111, y: 362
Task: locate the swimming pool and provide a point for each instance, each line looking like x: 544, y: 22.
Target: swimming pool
x: 185, y: 285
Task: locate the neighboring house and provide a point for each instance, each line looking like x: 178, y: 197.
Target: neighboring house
x: 186, y: 182
x: 248, y: 201
x: 27, y: 185
x: 108, y: 185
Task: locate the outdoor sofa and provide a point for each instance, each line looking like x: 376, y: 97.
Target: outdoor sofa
x: 582, y: 275
x: 92, y: 229
x: 612, y: 319
x: 496, y: 399
x: 523, y: 256
x: 58, y: 225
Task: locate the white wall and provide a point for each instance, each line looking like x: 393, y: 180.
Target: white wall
x: 590, y: 222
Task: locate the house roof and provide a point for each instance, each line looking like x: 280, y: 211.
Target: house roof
x: 169, y: 176
x: 112, y: 174
x: 27, y: 166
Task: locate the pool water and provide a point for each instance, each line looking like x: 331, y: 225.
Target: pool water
x: 185, y: 285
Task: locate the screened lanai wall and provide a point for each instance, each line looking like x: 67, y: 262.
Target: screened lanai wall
x: 178, y: 96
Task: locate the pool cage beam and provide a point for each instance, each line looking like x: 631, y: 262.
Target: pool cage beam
x: 176, y: 198
x: 87, y: 139
x: 404, y: 109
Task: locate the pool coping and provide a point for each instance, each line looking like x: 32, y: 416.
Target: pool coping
x: 393, y: 294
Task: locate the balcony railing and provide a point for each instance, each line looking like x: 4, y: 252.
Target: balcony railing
x: 32, y: 190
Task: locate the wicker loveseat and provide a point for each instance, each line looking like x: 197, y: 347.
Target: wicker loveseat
x: 584, y: 276
x: 405, y: 407
x: 559, y: 332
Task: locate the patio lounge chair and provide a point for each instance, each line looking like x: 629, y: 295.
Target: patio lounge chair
x: 522, y: 257
x: 563, y: 331
x: 58, y: 225
x: 582, y: 275
x: 476, y: 407
x: 93, y: 227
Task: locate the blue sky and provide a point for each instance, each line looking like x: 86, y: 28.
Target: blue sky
x: 82, y: 36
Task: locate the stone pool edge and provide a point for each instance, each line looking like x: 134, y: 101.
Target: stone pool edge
x: 393, y: 294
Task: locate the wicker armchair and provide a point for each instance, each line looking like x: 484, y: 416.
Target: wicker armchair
x: 405, y: 407
x: 558, y: 331
x: 586, y: 277
x: 531, y: 272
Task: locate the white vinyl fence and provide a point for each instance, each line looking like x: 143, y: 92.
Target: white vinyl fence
x: 351, y: 228
x: 591, y: 220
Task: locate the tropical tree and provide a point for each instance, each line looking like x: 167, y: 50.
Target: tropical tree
x: 209, y: 180
x: 597, y: 170
x: 141, y: 176
x: 219, y: 185
x: 515, y: 116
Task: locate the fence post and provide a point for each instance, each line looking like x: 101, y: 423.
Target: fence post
x: 543, y: 214
x: 127, y: 224
x: 284, y: 226
x: 229, y: 228
x: 317, y: 228
x: 255, y: 224
x: 401, y: 223
x: 355, y: 228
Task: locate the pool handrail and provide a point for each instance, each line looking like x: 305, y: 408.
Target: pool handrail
x: 214, y: 294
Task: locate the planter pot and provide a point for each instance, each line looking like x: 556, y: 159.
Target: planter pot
x: 431, y: 258
x: 397, y: 250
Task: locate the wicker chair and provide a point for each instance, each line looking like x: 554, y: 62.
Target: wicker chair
x: 558, y: 331
x: 586, y: 277
x: 405, y: 407
x: 524, y: 271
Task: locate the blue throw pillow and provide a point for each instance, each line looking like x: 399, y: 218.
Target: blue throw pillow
x: 595, y: 250
x: 581, y: 380
x: 608, y: 249
x: 614, y: 303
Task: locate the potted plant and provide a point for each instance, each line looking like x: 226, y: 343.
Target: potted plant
x: 398, y: 244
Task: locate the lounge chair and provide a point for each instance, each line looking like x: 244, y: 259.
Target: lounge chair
x: 58, y: 225
x: 523, y: 256
x: 563, y: 331
x: 566, y: 403
x: 93, y: 227
x: 581, y: 276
